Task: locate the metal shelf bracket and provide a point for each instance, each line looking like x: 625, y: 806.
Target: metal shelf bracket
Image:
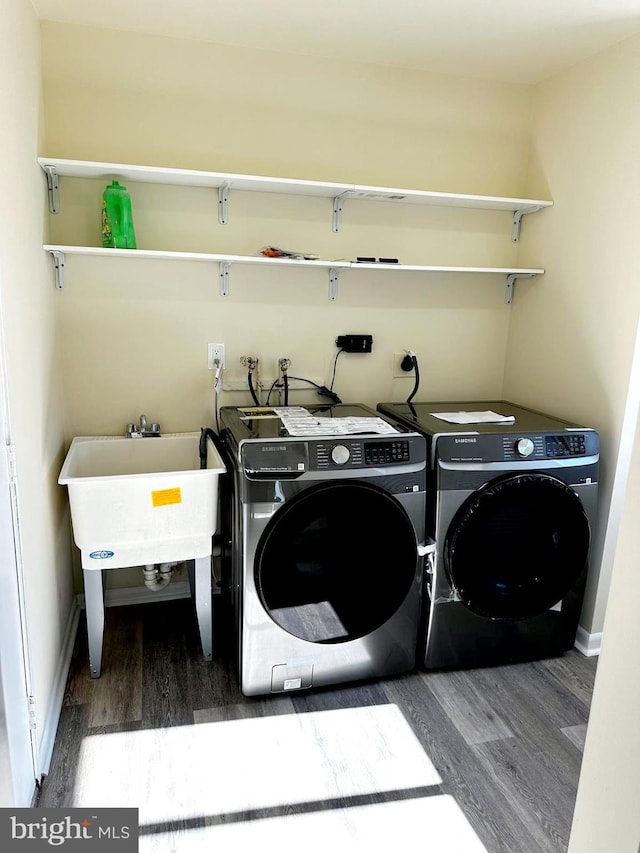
x: 224, y: 278
x: 338, y: 203
x: 58, y: 260
x: 334, y: 274
x: 508, y: 294
x: 53, y: 187
x: 517, y: 220
x: 223, y: 203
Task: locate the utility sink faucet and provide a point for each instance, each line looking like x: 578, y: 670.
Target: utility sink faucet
x: 143, y: 429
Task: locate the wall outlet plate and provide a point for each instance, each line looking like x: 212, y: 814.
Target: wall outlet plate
x: 398, y: 372
x: 215, y: 356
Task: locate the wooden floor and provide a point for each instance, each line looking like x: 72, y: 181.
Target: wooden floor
x: 505, y: 744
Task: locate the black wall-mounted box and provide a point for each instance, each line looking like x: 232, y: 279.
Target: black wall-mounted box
x: 355, y: 343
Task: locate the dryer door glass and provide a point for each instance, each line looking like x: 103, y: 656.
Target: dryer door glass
x: 336, y: 562
x: 517, y: 546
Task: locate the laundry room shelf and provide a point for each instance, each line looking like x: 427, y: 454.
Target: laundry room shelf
x: 517, y: 206
x: 224, y: 182
x: 225, y: 261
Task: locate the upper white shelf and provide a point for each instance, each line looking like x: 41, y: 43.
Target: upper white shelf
x: 481, y: 202
x: 224, y: 182
x: 190, y: 177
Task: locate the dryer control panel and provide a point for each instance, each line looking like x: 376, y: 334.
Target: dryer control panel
x: 544, y: 446
x: 572, y: 444
x: 512, y: 447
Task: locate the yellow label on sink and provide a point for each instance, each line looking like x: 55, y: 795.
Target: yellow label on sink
x: 164, y: 497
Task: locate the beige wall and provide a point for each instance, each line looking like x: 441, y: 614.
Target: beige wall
x: 135, y: 334
x: 606, y: 814
x: 127, y: 97
x: 572, y: 331
x: 575, y: 341
x: 33, y: 364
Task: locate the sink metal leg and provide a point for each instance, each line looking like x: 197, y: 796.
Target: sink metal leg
x: 94, y: 602
x: 201, y: 591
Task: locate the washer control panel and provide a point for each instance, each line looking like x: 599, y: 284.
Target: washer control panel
x: 359, y: 453
x: 340, y: 454
x: 293, y: 457
x: 386, y: 453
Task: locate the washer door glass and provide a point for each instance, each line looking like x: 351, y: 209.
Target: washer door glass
x: 336, y: 562
x: 517, y: 546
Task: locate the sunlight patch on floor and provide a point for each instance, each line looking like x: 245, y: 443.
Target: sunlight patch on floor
x: 434, y: 824
x: 239, y: 766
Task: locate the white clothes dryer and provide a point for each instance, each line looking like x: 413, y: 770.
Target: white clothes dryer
x: 511, y: 509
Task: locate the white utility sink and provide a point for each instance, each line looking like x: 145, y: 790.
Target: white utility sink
x: 141, y: 500
x: 136, y: 501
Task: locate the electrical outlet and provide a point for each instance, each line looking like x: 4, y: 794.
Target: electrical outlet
x: 215, y: 356
x: 398, y: 372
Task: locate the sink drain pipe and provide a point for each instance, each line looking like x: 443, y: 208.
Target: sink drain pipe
x: 157, y: 577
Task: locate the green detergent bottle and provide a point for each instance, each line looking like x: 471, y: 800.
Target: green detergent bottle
x: 117, y: 219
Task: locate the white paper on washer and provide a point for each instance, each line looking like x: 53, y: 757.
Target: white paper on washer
x: 474, y: 417
x: 292, y: 412
x: 298, y: 421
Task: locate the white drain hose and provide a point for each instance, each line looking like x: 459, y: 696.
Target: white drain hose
x: 157, y: 577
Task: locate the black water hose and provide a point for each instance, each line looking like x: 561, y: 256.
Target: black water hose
x: 222, y: 538
x: 254, y: 396
x: 417, y: 382
x: 335, y: 364
x: 205, y: 433
x: 322, y: 390
x: 273, y: 385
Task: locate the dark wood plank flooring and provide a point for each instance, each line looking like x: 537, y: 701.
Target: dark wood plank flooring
x: 506, y: 741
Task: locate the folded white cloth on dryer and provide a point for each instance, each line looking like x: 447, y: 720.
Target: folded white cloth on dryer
x: 474, y: 417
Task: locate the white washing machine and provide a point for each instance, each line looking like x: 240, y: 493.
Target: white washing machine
x: 511, y: 510
x: 328, y: 548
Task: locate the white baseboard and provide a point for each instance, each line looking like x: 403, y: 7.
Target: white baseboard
x: 46, y: 742
x: 588, y: 644
x: 113, y: 597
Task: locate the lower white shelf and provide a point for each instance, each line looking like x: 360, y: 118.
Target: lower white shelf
x: 225, y: 261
